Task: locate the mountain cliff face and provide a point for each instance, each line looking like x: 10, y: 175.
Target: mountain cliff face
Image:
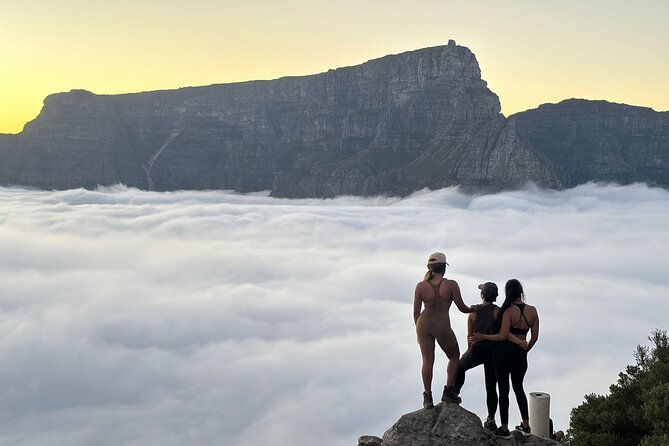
x: 600, y: 141
x: 390, y: 126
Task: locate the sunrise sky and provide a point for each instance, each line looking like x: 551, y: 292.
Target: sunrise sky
x: 530, y: 51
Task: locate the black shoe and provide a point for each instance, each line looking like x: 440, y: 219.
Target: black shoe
x: 523, y: 430
x: 427, y: 401
x: 490, y: 424
x: 449, y: 396
x: 502, y: 433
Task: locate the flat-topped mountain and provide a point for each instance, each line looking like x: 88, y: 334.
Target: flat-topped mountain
x: 390, y: 126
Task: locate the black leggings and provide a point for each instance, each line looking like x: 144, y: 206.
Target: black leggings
x: 511, y: 359
x: 473, y: 357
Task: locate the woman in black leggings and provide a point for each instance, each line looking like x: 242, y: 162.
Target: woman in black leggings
x: 510, y: 359
x: 485, y: 319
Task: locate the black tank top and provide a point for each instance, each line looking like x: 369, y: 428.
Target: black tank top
x: 485, y: 323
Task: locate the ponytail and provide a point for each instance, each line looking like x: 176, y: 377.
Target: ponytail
x: 432, y: 268
x: 512, y: 290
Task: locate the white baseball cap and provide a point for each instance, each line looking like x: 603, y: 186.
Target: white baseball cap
x: 437, y: 257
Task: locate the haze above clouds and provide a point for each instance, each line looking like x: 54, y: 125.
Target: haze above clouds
x: 143, y: 318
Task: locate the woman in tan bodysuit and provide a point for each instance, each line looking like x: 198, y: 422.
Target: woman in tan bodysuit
x: 436, y: 293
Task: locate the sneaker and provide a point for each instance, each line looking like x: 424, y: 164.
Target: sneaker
x: 427, y: 400
x: 502, y: 433
x: 523, y: 430
x: 449, y: 396
x: 490, y: 424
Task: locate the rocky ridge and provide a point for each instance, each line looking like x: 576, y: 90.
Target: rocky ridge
x: 390, y: 126
x: 599, y: 141
x: 446, y: 425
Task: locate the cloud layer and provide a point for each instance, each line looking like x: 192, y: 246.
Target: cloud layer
x: 142, y: 318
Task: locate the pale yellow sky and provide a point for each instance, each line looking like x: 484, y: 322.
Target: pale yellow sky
x: 530, y: 51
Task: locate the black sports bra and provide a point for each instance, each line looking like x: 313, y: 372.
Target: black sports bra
x: 520, y: 331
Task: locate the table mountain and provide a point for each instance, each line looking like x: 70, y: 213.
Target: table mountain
x: 389, y: 126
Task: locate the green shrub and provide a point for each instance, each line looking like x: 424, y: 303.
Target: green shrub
x: 636, y: 410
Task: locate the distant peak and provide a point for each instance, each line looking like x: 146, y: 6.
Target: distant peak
x: 72, y: 96
x: 81, y: 91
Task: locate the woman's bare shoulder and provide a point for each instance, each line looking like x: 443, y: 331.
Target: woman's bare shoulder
x: 513, y: 310
x: 531, y: 308
x: 451, y: 283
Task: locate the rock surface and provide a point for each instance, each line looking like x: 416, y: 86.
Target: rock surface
x: 599, y: 141
x: 446, y: 425
x: 390, y: 126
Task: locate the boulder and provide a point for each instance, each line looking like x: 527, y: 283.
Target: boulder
x: 446, y: 425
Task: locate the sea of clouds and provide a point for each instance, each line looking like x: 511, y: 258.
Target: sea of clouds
x: 142, y: 318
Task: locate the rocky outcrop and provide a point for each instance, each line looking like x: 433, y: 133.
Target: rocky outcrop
x: 390, y: 126
x: 446, y: 425
x: 599, y: 141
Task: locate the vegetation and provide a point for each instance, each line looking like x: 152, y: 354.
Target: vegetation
x: 636, y: 411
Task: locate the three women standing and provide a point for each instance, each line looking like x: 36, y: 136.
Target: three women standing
x: 508, y: 347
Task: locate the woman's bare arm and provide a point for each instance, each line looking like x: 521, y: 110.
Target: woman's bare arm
x: 470, y: 327
x: 534, y: 330
x: 457, y: 298
x: 517, y: 340
x: 417, y: 304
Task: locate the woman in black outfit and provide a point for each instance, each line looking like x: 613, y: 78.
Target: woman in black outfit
x: 483, y: 320
x: 510, y: 359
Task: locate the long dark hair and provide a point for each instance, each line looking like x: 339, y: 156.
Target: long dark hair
x: 439, y: 268
x: 512, y: 290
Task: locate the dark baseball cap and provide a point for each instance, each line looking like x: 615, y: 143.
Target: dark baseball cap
x: 489, y: 290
